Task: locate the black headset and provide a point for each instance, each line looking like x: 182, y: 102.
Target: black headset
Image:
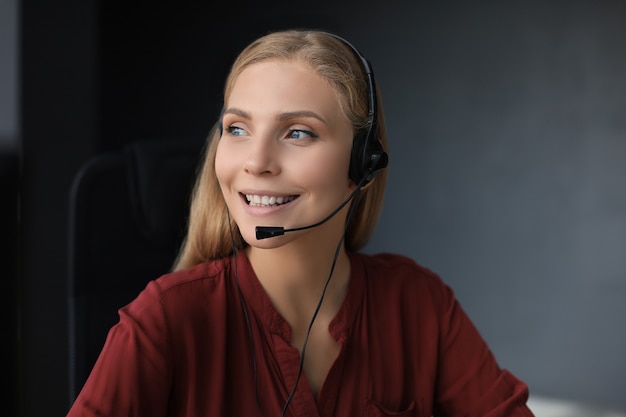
x: 368, y: 157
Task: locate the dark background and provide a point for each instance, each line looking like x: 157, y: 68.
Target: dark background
x: 507, y: 175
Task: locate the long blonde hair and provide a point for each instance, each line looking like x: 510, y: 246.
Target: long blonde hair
x: 210, y: 226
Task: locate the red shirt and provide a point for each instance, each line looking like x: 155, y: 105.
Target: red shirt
x: 183, y: 348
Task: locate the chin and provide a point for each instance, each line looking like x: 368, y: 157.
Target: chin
x: 250, y: 238
x: 267, y: 243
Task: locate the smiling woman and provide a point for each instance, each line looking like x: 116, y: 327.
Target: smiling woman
x: 300, y: 323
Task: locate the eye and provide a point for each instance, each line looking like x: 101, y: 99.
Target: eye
x: 235, y: 131
x: 300, y: 134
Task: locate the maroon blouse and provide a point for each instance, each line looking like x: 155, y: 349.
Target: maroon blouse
x: 183, y: 348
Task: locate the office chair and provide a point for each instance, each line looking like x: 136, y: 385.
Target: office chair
x: 128, y: 214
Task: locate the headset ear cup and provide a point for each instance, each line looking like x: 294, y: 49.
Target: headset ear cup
x: 379, y: 161
x: 366, y: 160
x: 357, y: 170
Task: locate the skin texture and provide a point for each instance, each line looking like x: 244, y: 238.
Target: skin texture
x: 286, y: 136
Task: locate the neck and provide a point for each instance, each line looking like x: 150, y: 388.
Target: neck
x: 294, y: 276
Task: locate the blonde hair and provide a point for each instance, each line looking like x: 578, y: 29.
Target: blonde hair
x: 210, y: 226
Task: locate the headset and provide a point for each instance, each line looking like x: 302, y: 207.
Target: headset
x: 367, y: 157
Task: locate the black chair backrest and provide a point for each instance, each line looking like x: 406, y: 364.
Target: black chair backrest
x: 128, y: 215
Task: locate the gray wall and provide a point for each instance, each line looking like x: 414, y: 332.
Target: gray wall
x: 8, y: 72
x: 508, y: 176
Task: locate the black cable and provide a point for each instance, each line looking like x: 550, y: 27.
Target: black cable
x: 319, y: 305
x: 315, y: 313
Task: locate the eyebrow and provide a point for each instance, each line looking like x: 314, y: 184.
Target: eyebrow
x: 301, y: 113
x: 236, y: 111
x: 283, y: 116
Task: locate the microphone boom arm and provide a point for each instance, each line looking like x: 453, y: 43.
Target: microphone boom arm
x: 263, y: 232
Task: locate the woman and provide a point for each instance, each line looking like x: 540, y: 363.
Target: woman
x: 271, y: 309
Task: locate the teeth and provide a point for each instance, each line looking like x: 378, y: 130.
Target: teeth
x: 266, y: 200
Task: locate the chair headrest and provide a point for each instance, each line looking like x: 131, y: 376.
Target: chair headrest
x: 161, y: 175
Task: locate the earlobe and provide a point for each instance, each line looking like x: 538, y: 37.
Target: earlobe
x: 369, y: 183
x: 352, y: 185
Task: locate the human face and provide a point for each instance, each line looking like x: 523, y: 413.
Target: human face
x: 284, y: 153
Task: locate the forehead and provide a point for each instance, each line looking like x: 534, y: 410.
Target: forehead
x: 271, y: 80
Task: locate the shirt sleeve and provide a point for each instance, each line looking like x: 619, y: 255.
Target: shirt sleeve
x: 131, y: 376
x: 470, y: 382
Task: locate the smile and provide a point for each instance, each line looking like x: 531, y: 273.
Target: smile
x: 268, y: 200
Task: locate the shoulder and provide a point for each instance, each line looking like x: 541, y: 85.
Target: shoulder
x: 181, y: 290
x: 177, y: 304
x: 401, y: 276
x: 205, y: 274
x: 396, y: 267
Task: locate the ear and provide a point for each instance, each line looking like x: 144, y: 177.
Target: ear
x: 369, y: 183
x: 352, y: 185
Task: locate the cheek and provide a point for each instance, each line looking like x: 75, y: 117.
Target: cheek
x: 328, y: 170
x: 222, y: 165
x: 336, y: 168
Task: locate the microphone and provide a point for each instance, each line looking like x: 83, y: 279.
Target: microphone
x: 377, y: 162
x: 263, y: 232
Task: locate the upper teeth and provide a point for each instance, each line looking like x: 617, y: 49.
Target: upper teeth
x: 266, y: 200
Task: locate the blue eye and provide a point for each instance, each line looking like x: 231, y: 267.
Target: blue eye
x: 235, y: 131
x: 300, y: 134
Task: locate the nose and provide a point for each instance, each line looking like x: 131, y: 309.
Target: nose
x: 262, y: 157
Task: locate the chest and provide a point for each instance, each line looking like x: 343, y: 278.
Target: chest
x: 318, y: 352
